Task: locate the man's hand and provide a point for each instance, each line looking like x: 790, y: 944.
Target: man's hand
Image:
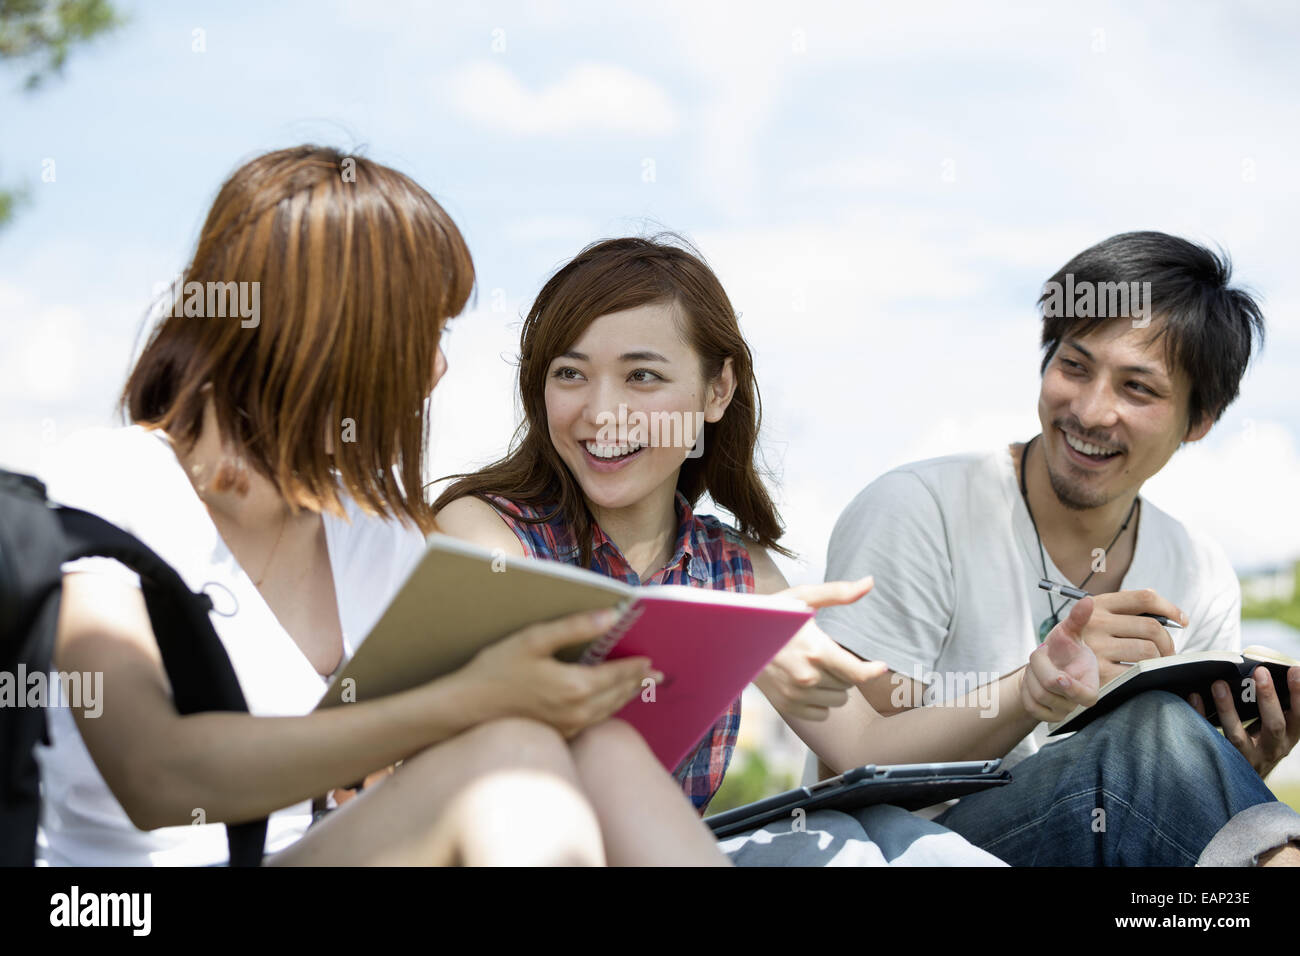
x: 812, y: 673
x: 1116, y: 632
x: 1275, y: 733
x: 1063, y: 672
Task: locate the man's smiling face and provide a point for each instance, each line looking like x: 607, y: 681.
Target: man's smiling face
x: 1113, y: 413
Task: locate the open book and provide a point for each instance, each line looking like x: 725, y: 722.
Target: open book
x: 460, y: 598
x: 1186, y: 674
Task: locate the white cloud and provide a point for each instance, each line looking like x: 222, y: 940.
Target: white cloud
x: 474, y: 411
x: 1240, y: 487
x: 37, y: 365
x: 590, y: 96
x: 846, y: 174
x: 1084, y: 109
x: 574, y: 231
x: 62, y: 365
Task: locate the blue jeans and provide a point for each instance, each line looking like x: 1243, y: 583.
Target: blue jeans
x: 1149, y: 784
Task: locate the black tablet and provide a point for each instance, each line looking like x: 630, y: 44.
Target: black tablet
x: 910, y: 786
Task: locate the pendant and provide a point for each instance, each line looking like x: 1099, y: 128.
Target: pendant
x: 1045, y: 628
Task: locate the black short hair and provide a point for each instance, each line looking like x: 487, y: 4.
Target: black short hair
x: 1210, y: 328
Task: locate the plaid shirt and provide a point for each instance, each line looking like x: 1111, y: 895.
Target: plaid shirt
x: 708, y: 554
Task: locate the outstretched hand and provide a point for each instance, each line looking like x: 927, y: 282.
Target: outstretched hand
x: 812, y: 673
x: 1063, y: 672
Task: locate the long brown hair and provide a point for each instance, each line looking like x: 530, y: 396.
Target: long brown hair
x: 358, y: 270
x: 611, y: 276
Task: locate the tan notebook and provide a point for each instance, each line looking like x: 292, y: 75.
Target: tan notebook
x: 456, y: 601
x: 460, y: 598
x: 1186, y: 674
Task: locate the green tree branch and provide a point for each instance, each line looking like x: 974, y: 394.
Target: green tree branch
x: 46, y: 31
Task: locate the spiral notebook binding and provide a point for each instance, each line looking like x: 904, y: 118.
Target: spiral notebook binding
x: 599, y: 649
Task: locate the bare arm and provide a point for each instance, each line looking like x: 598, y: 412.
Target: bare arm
x: 857, y: 734
x: 988, y: 722
x: 474, y: 520
x: 162, y: 766
x: 893, y: 693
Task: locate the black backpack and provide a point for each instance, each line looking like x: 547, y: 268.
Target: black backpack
x: 36, y: 537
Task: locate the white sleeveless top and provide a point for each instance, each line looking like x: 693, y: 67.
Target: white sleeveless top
x: 131, y: 477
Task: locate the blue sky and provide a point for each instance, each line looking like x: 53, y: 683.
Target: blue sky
x: 882, y: 192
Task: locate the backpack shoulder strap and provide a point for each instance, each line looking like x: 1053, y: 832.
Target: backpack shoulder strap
x: 196, y: 661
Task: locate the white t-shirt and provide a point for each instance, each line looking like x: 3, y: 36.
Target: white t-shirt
x: 956, y: 601
x: 131, y: 477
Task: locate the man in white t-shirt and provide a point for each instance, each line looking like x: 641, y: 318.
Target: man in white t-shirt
x: 1145, y: 345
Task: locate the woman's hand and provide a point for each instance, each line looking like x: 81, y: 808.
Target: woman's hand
x: 1062, y: 672
x: 342, y: 795
x: 812, y: 673
x: 519, y: 675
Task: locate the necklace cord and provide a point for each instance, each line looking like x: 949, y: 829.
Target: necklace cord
x: 1042, y: 553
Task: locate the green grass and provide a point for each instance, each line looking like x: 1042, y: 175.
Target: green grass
x: 1288, y: 612
x: 1289, y: 794
x: 748, y: 779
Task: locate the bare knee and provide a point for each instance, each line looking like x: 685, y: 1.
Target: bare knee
x: 510, y: 742
x: 524, y: 818
x: 518, y: 735
x: 608, y: 735
x: 612, y: 746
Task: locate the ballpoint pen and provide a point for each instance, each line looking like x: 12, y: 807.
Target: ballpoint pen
x: 1076, y: 594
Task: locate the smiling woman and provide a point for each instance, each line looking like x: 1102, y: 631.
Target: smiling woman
x: 643, y: 324
x: 633, y: 330
x: 662, y: 379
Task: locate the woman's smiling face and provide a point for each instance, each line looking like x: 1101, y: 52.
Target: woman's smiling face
x: 626, y: 403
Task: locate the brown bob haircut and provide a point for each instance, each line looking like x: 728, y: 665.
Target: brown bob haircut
x: 610, y: 276
x: 359, y: 269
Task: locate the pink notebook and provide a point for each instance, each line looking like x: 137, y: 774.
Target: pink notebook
x: 708, y: 644
x: 461, y: 598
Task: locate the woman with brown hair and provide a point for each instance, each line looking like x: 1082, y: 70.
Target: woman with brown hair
x: 639, y: 397
x: 275, y: 459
